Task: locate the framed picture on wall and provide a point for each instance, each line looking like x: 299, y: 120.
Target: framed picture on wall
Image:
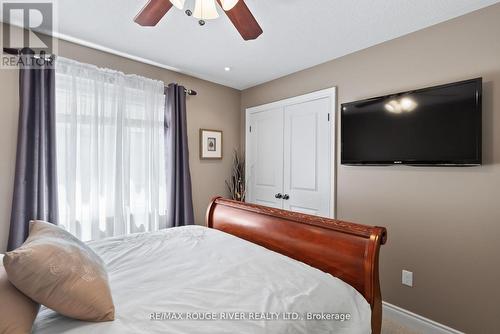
x: 210, y: 144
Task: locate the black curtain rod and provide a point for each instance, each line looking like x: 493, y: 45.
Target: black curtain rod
x: 13, y: 51
x: 26, y: 52
x: 187, y: 91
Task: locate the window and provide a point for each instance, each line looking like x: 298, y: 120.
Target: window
x: 110, y: 151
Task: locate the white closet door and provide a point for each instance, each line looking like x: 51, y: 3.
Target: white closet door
x: 307, y: 171
x: 265, y: 157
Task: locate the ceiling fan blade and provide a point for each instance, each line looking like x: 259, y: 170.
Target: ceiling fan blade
x: 244, y: 21
x: 152, y: 12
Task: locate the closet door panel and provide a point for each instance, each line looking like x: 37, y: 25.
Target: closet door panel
x: 307, y: 157
x: 265, y: 157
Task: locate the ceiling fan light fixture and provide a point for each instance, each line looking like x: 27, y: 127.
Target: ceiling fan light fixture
x: 228, y: 4
x: 205, y: 10
x: 178, y: 3
x: 236, y: 10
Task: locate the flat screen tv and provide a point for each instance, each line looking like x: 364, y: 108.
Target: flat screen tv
x: 432, y: 126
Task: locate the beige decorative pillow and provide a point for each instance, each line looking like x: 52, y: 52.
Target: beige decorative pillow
x: 17, y: 312
x: 59, y: 271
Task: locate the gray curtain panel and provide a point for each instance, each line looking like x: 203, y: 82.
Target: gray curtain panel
x: 179, y: 196
x: 35, y: 183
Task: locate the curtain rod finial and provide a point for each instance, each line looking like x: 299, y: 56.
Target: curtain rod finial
x: 190, y: 92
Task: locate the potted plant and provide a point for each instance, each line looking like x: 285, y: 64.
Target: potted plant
x: 236, y: 184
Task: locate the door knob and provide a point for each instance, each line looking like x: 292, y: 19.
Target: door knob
x: 278, y: 195
x: 285, y: 196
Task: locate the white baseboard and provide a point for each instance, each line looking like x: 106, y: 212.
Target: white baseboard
x: 414, y: 322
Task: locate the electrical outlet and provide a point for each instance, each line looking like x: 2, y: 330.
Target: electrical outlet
x: 407, y: 278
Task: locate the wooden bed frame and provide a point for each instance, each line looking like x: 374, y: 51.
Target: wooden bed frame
x: 345, y: 250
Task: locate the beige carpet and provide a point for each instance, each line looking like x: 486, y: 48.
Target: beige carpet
x: 391, y: 327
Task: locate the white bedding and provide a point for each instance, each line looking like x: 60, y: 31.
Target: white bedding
x: 201, y: 272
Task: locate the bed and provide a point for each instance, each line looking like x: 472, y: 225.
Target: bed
x: 252, y: 269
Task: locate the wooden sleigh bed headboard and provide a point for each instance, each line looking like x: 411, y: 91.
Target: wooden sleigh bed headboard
x: 346, y: 250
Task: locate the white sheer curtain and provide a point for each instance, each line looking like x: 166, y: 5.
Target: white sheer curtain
x: 110, y: 151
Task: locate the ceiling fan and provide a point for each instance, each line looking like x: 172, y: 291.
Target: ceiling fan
x: 236, y: 10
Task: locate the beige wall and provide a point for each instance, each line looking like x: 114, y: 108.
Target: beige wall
x: 9, y: 104
x: 443, y: 223
x: 215, y: 107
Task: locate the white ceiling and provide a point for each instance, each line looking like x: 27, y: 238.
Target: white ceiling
x: 297, y: 33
